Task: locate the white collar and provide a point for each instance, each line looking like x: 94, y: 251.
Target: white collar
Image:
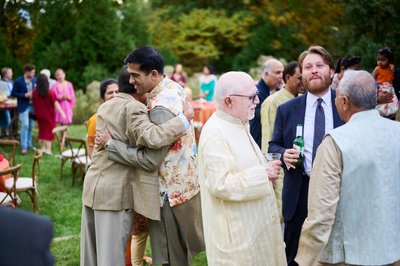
x: 312, y: 99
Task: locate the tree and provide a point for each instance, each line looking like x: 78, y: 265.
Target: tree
x: 367, y: 26
x: 17, y: 33
x: 203, y: 36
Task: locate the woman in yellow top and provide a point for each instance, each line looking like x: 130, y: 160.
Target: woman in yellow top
x: 108, y: 90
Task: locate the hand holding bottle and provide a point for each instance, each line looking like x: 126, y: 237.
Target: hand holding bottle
x: 290, y: 157
x: 294, y: 157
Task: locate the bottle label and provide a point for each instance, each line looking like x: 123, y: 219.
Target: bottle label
x: 299, y: 149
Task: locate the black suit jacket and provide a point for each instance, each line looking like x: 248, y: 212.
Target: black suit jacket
x: 24, y: 238
x: 290, y: 114
x: 255, y: 123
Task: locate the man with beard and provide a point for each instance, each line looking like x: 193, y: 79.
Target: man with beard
x: 316, y: 111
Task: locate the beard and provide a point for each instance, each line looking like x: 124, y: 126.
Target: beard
x: 316, y: 86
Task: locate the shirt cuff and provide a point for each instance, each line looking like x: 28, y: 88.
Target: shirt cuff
x: 107, y: 144
x: 184, y: 121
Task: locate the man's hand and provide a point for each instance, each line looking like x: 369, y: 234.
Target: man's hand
x: 272, y: 168
x: 188, y: 111
x: 102, y: 138
x: 290, y: 156
x: 28, y: 94
x: 384, y: 97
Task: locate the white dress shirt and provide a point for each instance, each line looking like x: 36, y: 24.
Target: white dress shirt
x: 311, y: 106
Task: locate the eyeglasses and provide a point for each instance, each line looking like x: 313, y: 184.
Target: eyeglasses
x: 252, y: 97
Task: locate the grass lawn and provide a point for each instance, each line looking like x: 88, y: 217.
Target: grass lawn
x: 61, y: 202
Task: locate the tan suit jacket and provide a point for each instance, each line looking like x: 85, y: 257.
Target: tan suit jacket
x: 113, y: 186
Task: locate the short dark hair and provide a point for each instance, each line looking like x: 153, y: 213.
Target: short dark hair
x: 42, y: 85
x: 290, y: 69
x: 350, y: 61
x: 315, y: 49
x: 123, y: 81
x: 386, y: 52
x: 210, y: 68
x: 148, y: 58
x: 29, y: 67
x: 104, y: 84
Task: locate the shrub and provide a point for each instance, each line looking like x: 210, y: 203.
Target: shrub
x: 86, y: 103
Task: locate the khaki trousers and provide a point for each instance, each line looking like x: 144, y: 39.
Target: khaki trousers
x: 138, y: 247
x: 104, y: 235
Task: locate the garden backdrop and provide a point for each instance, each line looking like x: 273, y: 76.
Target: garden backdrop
x: 90, y: 38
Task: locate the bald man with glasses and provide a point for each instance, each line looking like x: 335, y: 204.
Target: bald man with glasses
x: 240, y: 217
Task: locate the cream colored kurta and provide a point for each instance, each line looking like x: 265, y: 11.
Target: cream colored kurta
x: 240, y: 218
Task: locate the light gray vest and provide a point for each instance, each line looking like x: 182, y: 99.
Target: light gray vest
x: 366, y: 230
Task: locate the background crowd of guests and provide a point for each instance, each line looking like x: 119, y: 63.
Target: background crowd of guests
x: 40, y: 98
x: 338, y: 207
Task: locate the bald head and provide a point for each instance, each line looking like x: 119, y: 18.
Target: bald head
x: 359, y: 87
x: 270, y: 64
x: 272, y: 73
x: 236, y: 95
x: 233, y: 82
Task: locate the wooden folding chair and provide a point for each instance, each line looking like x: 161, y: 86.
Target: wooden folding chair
x: 8, y: 148
x: 29, y: 184
x: 66, y: 154
x: 8, y: 196
x: 80, y: 159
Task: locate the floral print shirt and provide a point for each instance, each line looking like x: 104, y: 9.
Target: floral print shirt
x: 178, y: 175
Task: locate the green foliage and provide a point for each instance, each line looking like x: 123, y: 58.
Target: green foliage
x: 204, y: 36
x: 94, y: 39
x: 133, y: 25
x: 97, y: 32
x: 87, y: 103
x: 15, y: 27
x: 6, y: 58
x: 90, y: 39
x: 368, y: 26
x: 92, y: 72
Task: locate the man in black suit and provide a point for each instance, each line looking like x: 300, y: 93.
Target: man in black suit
x: 316, y: 111
x: 24, y: 238
x: 269, y: 83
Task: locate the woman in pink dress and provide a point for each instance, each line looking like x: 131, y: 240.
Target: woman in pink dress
x: 45, y: 105
x: 65, y: 96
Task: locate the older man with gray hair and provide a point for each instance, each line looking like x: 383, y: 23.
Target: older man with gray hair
x: 240, y: 217
x: 354, y: 194
x: 270, y: 82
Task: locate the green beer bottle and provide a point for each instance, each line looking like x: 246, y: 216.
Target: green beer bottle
x: 298, y: 144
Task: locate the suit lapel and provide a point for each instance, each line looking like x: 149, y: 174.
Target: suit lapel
x: 300, y: 110
x: 336, y: 118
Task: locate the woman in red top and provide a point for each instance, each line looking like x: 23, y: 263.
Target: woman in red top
x: 178, y: 75
x: 45, y: 105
